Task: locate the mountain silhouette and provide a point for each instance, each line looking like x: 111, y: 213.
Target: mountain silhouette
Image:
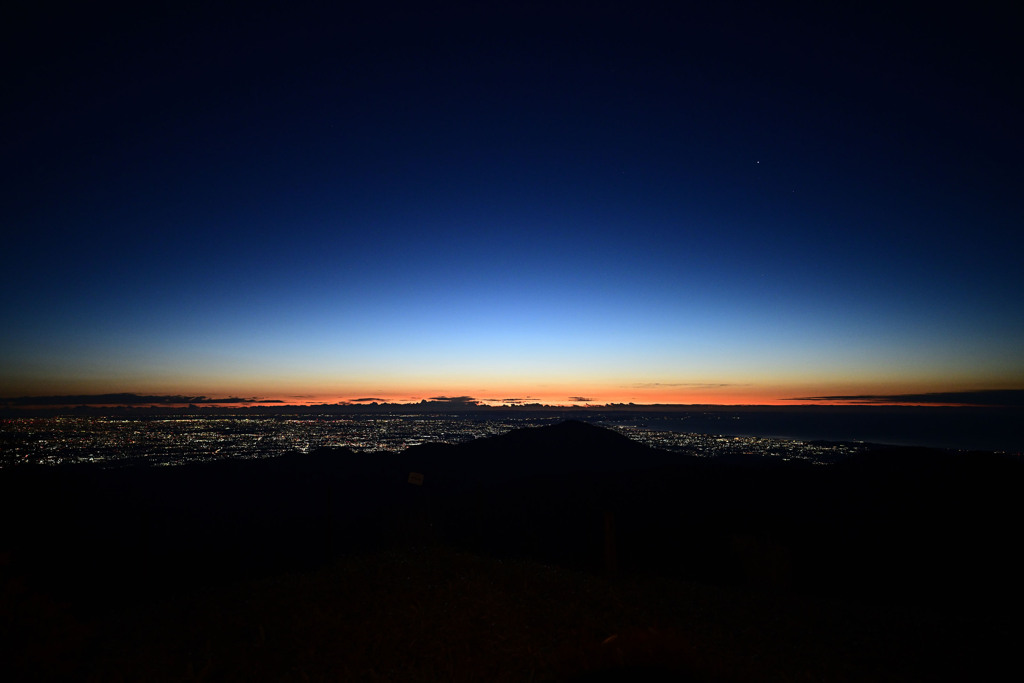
x: 890, y: 525
x: 554, y: 450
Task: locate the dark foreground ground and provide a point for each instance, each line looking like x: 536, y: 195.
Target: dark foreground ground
x: 558, y: 553
x: 440, y: 615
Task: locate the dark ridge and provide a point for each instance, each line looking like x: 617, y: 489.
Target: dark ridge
x: 554, y: 450
x: 891, y: 525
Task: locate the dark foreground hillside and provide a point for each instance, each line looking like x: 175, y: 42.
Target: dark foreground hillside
x: 546, y: 554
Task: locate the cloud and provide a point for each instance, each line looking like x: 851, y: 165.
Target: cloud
x: 688, y: 385
x: 510, y: 401
x: 995, y: 397
x: 368, y: 400
x: 453, y: 400
x: 580, y: 399
x: 124, y: 399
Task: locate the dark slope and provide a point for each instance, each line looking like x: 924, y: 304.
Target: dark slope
x: 569, y: 447
x: 139, y: 572
x: 95, y: 534
x: 890, y: 526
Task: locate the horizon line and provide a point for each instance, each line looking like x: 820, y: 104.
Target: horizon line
x: 991, y: 398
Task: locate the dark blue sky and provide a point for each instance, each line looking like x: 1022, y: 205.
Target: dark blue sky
x: 735, y: 204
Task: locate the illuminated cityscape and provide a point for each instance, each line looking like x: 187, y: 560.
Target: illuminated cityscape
x: 114, y: 441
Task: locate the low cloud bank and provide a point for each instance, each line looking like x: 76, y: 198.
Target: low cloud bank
x: 995, y: 397
x: 125, y: 400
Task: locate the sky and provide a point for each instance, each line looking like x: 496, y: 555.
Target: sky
x: 554, y: 202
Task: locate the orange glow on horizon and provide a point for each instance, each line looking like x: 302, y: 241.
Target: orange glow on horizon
x: 557, y: 393
x: 637, y: 397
